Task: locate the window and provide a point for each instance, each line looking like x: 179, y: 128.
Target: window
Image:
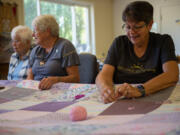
x: 73, y: 19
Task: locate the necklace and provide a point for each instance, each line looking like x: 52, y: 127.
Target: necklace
x: 45, y: 55
x: 41, y: 63
x: 44, y: 58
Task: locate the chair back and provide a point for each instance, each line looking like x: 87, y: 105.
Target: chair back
x: 88, y: 68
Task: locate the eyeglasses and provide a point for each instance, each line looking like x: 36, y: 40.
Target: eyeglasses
x: 134, y: 28
x: 15, y: 41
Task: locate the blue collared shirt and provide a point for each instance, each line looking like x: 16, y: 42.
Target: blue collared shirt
x: 18, y: 67
x: 62, y: 55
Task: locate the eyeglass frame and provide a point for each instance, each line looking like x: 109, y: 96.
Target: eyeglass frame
x: 134, y: 28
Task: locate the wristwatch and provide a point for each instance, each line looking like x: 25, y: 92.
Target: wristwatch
x: 141, y: 89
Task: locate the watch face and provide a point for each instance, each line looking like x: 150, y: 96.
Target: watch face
x: 141, y: 90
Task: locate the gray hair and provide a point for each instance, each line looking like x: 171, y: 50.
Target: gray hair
x: 23, y: 32
x: 43, y: 22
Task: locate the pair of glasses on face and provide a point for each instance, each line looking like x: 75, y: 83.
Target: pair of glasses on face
x: 15, y: 41
x: 134, y: 28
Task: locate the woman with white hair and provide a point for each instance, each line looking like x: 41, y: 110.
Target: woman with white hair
x: 54, y: 59
x: 21, y: 41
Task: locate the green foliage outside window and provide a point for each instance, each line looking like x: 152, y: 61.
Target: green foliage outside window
x: 63, y: 15
x: 30, y: 11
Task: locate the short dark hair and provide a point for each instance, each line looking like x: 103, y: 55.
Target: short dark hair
x: 138, y: 11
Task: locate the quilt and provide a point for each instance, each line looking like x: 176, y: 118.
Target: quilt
x: 26, y: 110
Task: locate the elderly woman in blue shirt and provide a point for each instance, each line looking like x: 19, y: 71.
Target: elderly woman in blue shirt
x: 54, y: 59
x: 21, y: 41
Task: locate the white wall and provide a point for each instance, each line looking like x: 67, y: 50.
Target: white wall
x: 119, y: 6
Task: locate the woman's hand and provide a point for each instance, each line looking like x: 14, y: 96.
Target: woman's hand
x: 46, y: 83
x: 108, y: 94
x: 128, y: 91
x: 104, y: 82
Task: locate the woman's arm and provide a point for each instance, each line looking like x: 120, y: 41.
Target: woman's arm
x: 169, y: 77
x: 72, y: 77
x: 30, y: 74
x: 104, y: 82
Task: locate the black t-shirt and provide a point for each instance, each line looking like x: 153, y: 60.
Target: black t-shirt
x: 131, y: 69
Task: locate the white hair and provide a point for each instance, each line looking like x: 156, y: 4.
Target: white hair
x: 24, y: 33
x: 43, y: 22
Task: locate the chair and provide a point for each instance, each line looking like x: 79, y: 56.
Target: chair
x: 88, y: 68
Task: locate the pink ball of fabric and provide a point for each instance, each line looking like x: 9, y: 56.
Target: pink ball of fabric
x: 78, y: 113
